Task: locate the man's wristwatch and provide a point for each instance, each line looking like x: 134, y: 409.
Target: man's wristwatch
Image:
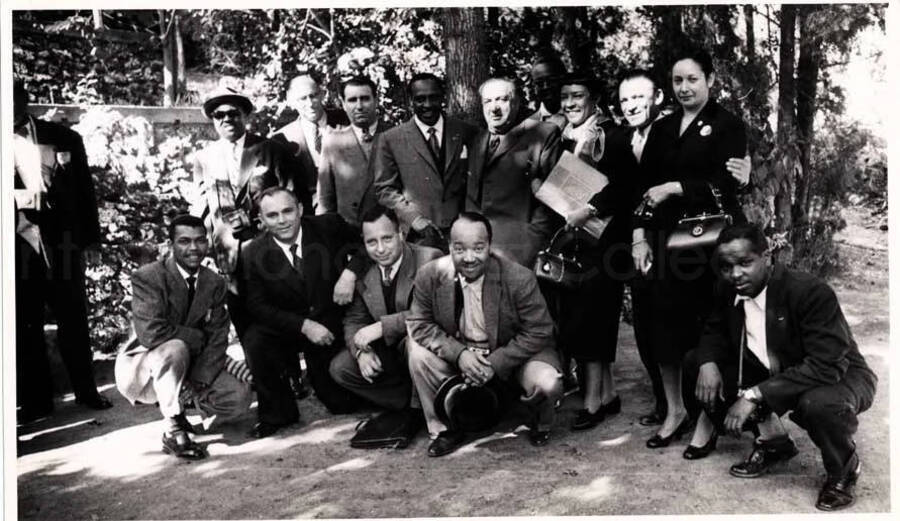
x: 592, y: 210
x: 751, y: 394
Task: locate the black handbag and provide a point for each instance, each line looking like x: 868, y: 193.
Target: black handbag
x: 699, y: 231
x: 555, y: 267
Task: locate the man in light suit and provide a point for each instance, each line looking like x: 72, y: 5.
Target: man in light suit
x: 420, y: 166
x: 305, y: 136
x: 508, y: 163
x: 777, y: 341
x: 481, y: 316
x: 345, y: 181
x: 182, y: 332
x: 290, y: 273
x: 546, y: 73
x: 57, y: 234
x: 374, y: 365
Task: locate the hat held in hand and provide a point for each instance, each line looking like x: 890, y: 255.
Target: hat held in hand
x: 464, y: 407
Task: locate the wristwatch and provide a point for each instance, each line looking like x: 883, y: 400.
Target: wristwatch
x: 751, y: 394
x: 592, y: 210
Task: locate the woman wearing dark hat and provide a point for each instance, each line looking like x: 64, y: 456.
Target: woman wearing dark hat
x: 686, y: 156
x: 588, y: 317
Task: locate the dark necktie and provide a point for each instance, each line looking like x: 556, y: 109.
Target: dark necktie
x: 433, y: 143
x: 366, y: 137
x: 385, y: 276
x: 493, y: 144
x: 318, y: 140
x: 298, y: 262
x: 192, y: 289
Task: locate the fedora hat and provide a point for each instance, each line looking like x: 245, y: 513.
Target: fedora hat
x: 226, y: 95
x: 464, y: 407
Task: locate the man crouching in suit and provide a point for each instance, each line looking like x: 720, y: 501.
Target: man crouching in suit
x: 290, y: 273
x: 374, y: 365
x: 182, y: 332
x: 777, y: 341
x: 482, y: 316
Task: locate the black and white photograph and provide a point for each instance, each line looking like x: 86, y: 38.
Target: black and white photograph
x: 467, y: 260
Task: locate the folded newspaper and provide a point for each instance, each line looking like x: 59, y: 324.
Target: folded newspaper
x: 570, y: 186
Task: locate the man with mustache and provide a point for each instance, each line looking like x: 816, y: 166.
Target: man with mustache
x: 181, y: 327
x: 420, y: 166
x: 481, y: 316
x: 509, y: 161
x: 345, y: 181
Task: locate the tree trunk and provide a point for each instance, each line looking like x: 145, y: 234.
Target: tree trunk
x: 97, y: 15
x: 467, y: 60
x: 808, y: 65
x: 180, y: 77
x: 169, y: 72
x: 574, y: 39
x: 786, y: 155
x: 751, y: 35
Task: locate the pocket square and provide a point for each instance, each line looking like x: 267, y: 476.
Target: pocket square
x: 63, y: 158
x: 464, y: 153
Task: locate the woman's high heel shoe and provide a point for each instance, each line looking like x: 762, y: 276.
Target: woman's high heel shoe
x: 692, y: 452
x: 658, y: 442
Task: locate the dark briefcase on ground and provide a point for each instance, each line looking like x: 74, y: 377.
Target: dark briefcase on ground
x: 390, y: 429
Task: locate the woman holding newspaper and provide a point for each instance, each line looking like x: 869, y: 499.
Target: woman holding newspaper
x: 688, y: 192
x: 588, y: 315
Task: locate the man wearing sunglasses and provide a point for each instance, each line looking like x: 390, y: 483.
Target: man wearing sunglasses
x: 231, y: 173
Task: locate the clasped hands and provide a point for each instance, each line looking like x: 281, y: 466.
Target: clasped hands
x: 710, y: 389
x: 475, y: 368
x: 369, y: 362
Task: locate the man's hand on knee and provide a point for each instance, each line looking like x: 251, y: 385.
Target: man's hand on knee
x: 709, y: 384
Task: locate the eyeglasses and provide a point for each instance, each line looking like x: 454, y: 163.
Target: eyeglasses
x: 222, y: 114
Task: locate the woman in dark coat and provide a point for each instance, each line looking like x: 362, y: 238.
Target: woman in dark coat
x: 686, y: 157
x: 588, y: 317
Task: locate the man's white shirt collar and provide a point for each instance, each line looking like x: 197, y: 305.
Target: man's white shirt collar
x: 322, y: 122
x: 438, y: 128
x: 392, y: 269
x: 759, y: 300
x: 477, y: 283
x: 286, y: 247
x: 236, y: 147
x: 359, y: 132
x: 184, y: 274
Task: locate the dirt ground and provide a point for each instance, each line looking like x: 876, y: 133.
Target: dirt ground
x: 108, y: 465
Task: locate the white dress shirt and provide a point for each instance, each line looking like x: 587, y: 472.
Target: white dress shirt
x: 388, y: 273
x: 471, y: 322
x: 359, y: 132
x: 184, y: 274
x: 233, y: 151
x: 638, y: 140
x: 755, y: 325
x: 286, y: 247
x: 309, y: 133
x: 438, y: 129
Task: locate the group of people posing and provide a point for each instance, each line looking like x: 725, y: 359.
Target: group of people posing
x: 398, y: 259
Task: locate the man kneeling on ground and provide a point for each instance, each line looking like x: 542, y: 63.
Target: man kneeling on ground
x: 482, y: 316
x: 374, y: 365
x: 182, y: 331
x: 777, y: 341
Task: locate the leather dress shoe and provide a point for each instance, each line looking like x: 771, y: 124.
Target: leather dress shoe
x: 445, y: 443
x: 587, y: 420
x: 300, y: 391
x: 265, y: 429
x: 837, y: 493
x: 97, y: 402
x: 538, y: 437
x: 654, y: 418
x: 181, y: 445
x: 658, y: 442
x: 765, y: 454
x: 614, y: 406
x: 692, y: 452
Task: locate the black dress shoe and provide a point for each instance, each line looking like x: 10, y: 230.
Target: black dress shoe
x: 538, y: 437
x: 300, y: 391
x: 587, y: 420
x: 692, y: 452
x: 614, y: 406
x: 181, y: 445
x: 654, y: 418
x: 96, y: 402
x: 658, y: 442
x: 445, y: 443
x: 265, y: 429
x: 837, y: 493
x: 764, y: 455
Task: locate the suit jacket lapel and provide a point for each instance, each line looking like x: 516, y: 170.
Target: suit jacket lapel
x: 373, y: 295
x: 776, y: 325
x: 249, y: 160
x: 446, y: 303
x: 507, y: 141
x: 490, y: 301
x: 477, y: 159
x: 178, y: 291
x: 406, y: 276
x: 417, y: 142
x: 452, y: 143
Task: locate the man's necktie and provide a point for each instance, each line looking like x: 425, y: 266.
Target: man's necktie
x: 318, y: 140
x: 385, y: 276
x: 192, y: 290
x: 493, y: 144
x: 366, y: 137
x: 298, y: 262
x: 433, y: 143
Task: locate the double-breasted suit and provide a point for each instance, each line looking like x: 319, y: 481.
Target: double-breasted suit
x: 392, y: 387
x: 517, y: 323
x: 345, y: 180
x: 49, y: 242
x: 413, y: 182
x: 179, y: 339
x: 815, y: 367
x: 502, y: 184
x: 280, y: 298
